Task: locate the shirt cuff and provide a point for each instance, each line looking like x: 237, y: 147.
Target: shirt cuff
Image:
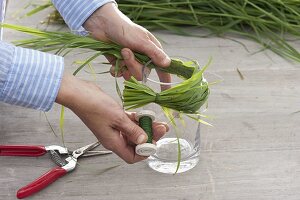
x: 33, y: 78
x: 76, y: 12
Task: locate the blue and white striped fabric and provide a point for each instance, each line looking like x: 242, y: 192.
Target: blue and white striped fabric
x: 29, y: 78
x: 6, y: 54
x: 76, y: 12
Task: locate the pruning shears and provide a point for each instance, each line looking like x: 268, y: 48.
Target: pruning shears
x: 64, y: 165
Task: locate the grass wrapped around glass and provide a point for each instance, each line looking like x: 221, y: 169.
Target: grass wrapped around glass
x: 185, y: 98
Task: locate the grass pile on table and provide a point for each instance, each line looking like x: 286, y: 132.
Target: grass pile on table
x: 273, y: 24
x: 266, y: 22
x: 53, y: 17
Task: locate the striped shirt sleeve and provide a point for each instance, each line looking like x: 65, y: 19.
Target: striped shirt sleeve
x: 76, y: 12
x: 29, y: 78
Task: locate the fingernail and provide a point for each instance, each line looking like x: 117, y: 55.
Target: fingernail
x: 166, y: 126
x: 161, y: 129
x: 125, y: 54
x: 141, y: 139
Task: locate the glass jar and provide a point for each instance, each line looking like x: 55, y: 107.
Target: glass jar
x: 179, y: 149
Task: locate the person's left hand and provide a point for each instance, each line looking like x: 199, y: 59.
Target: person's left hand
x: 109, y: 24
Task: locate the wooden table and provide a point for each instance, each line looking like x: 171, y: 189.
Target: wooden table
x: 251, y: 153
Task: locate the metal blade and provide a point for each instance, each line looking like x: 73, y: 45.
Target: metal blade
x: 56, y: 158
x: 83, y: 150
x: 96, y: 153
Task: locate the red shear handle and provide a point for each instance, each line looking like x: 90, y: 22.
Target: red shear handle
x: 41, y: 182
x: 19, y: 150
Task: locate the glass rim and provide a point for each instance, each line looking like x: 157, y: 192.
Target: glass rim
x: 146, y: 76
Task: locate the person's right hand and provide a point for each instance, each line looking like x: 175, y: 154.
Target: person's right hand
x: 115, y: 129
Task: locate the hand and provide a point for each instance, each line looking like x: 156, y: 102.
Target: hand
x: 114, y: 128
x: 109, y: 24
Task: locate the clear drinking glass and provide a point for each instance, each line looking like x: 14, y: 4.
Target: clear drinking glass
x: 170, y: 148
x: 182, y: 140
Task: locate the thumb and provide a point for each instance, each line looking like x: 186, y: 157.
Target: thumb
x: 133, y: 132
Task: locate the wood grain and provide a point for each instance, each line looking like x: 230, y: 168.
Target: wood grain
x: 252, y: 152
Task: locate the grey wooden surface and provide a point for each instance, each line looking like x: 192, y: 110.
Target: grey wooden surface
x: 252, y: 152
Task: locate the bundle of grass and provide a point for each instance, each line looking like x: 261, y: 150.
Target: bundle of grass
x: 265, y: 22
x: 186, y: 97
x: 63, y: 43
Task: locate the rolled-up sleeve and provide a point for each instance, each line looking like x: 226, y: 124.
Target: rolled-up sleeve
x: 29, y: 78
x: 76, y: 12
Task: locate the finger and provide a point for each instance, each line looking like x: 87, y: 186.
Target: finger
x: 164, y: 78
x: 153, y: 39
x: 134, y: 67
x: 121, y: 69
x: 111, y: 59
x: 132, y: 117
x: 159, y: 131
x: 124, y: 150
x: 126, y: 74
x: 155, y: 124
x: 112, y: 72
x: 157, y: 55
x: 133, y: 132
x: 159, y: 128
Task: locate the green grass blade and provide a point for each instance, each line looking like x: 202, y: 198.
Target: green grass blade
x: 62, y: 123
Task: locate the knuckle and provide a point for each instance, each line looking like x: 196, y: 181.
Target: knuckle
x: 134, y: 131
x: 120, y: 119
x: 143, y: 29
x: 158, y: 54
x: 154, y: 53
